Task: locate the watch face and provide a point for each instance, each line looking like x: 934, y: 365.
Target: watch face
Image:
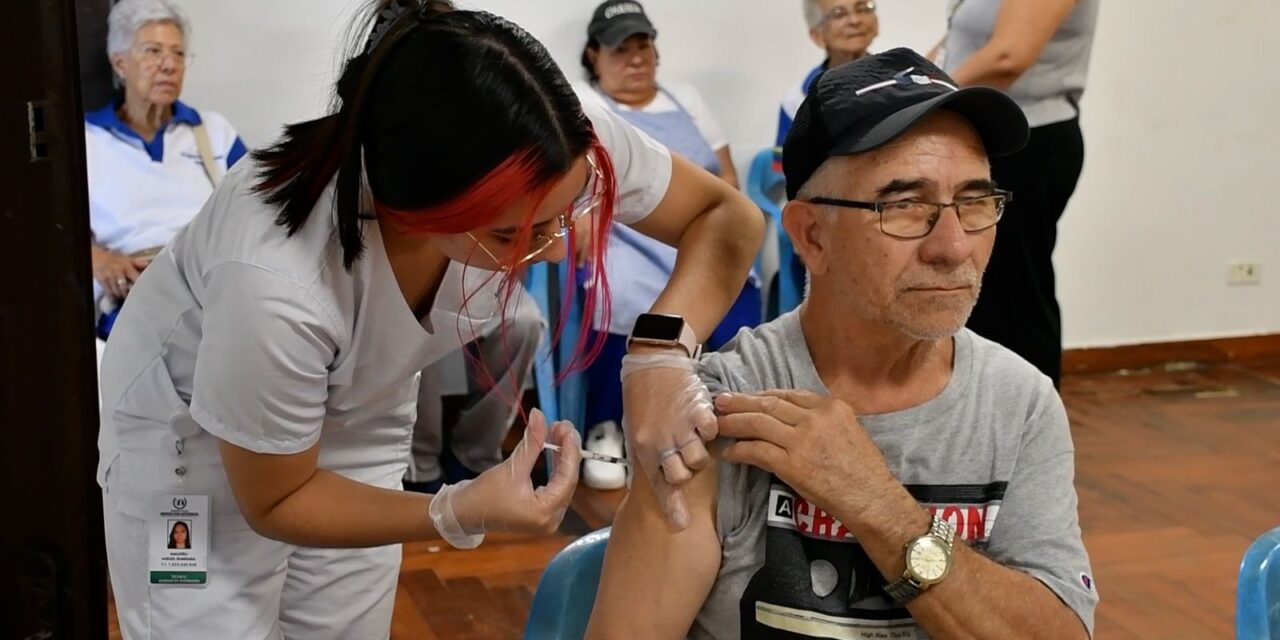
x: 928, y: 559
x: 654, y: 326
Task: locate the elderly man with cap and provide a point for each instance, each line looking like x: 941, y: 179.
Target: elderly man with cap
x: 885, y: 472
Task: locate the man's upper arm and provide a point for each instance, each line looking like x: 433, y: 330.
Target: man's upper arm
x: 1037, y: 530
x: 655, y: 581
x: 675, y: 571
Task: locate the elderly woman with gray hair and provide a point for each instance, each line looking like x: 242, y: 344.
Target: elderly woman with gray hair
x: 844, y: 29
x: 152, y: 160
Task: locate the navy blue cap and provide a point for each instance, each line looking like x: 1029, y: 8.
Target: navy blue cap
x: 869, y: 102
x: 616, y: 20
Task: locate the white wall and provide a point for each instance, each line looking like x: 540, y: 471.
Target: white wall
x: 1181, y: 142
x: 1180, y: 171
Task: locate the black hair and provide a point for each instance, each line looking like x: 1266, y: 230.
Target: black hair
x: 436, y: 100
x: 173, y: 543
x: 592, y: 45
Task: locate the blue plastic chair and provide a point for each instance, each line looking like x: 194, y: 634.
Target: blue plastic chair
x: 762, y: 183
x: 1258, y: 590
x: 571, y: 391
x: 537, y: 280
x: 567, y: 591
x: 565, y: 400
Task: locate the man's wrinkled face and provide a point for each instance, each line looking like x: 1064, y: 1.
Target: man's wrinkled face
x: 924, y: 287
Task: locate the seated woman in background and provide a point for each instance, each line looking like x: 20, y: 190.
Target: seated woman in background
x: 152, y: 161
x: 621, y: 62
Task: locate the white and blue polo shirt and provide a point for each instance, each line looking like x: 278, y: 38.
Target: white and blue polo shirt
x: 790, y: 105
x: 141, y: 194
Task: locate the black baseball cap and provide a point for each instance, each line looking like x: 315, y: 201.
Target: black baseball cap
x: 617, y: 20
x: 867, y: 103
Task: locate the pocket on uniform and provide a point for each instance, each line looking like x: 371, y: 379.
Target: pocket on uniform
x: 144, y: 414
x: 149, y: 419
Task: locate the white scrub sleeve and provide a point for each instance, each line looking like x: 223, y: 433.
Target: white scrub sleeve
x: 261, y: 376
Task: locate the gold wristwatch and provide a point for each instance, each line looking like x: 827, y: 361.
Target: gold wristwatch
x: 928, y: 562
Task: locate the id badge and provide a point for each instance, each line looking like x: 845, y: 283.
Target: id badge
x: 178, y: 539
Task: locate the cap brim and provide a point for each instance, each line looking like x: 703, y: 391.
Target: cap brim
x: 616, y: 33
x: 998, y: 120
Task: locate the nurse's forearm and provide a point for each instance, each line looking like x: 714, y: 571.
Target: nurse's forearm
x: 286, y: 498
x: 715, y: 255
x: 330, y: 510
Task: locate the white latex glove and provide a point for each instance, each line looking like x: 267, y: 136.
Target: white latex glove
x: 668, y: 415
x: 504, y: 498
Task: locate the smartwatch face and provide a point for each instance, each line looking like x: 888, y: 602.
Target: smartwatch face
x: 658, y: 327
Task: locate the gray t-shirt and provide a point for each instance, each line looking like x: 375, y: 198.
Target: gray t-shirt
x: 1050, y: 90
x: 992, y: 454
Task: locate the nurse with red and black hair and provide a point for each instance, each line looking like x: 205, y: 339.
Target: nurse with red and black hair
x: 268, y: 358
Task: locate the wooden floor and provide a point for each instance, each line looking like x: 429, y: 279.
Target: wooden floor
x: 1177, y: 473
x: 484, y: 594
x: 1178, y: 469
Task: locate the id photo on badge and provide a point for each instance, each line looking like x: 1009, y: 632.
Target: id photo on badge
x: 179, y: 534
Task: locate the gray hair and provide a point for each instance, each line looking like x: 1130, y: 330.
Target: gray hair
x: 128, y: 16
x: 826, y: 179
x: 813, y: 14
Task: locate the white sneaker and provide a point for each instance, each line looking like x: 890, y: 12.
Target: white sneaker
x: 606, y: 438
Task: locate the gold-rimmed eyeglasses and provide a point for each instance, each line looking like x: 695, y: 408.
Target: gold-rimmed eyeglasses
x: 585, y: 204
x: 154, y: 55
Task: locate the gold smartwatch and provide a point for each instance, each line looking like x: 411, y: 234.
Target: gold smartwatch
x: 664, y: 331
x: 928, y: 562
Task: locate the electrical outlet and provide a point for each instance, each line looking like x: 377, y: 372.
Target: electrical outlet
x: 1244, y: 273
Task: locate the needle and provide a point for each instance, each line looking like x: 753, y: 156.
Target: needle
x: 591, y: 455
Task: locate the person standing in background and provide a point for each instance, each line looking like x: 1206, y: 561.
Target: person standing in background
x: 621, y: 62
x: 1037, y: 51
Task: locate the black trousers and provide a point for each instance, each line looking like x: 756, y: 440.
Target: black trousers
x: 1018, y: 306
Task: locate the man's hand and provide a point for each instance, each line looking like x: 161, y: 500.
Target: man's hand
x: 116, y: 272
x: 813, y: 443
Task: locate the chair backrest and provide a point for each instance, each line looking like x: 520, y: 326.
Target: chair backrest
x: 763, y: 181
x: 558, y: 399
x: 567, y: 591
x: 1258, y: 590
x: 537, y: 280
x: 572, y: 389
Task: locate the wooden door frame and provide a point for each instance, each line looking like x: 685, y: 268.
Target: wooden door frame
x: 52, y: 552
